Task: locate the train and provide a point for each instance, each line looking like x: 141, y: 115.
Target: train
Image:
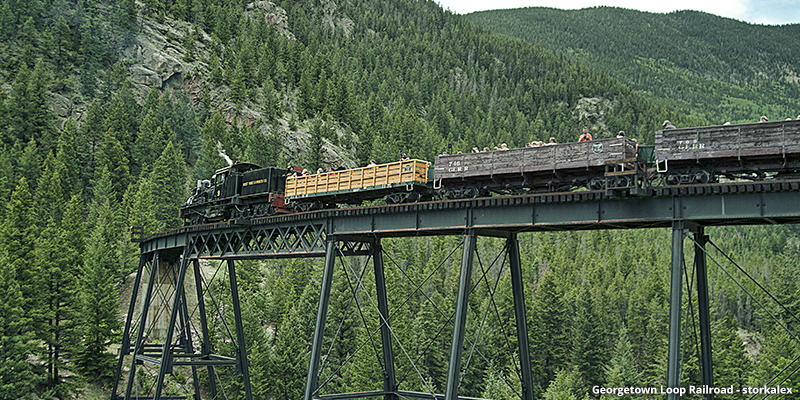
x: 619, y: 166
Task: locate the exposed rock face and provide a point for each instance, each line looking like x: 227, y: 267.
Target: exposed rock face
x: 159, y: 56
x: 274, y: 15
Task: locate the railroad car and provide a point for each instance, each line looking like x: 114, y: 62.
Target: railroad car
x: 397, y: 182
x: 752, y: 151
x: 596, y: 165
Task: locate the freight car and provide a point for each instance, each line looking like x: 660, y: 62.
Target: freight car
x: 752, y: 151
x: 596, y: 165
x: 398, y: 182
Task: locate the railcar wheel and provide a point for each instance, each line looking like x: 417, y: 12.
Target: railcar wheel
x: 673, y: 178
x: 412, y: 197
x: 471, y: 192
x: 701, y: 176
x: 622, y: 181
x: 596, y: 183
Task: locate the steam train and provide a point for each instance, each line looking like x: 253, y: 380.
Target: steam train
x: 618, y: 166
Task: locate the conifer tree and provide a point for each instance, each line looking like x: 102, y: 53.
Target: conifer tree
x: 588, y: 340
x: 17, y: 339
x: 97, y: 298
x: 550, y: 330
x: 168, y: 180
x: 566, y: 385
x: 57, y: 291
x: 17, y: 243
x: 111, y: 156
x: 621, y: 370
x: 122, y: 117
x: 293, y: 345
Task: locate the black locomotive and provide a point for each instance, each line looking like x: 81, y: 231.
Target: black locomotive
x: 238, y: 191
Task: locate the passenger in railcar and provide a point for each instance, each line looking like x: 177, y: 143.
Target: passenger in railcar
x: 551, y: 142
x: 621, y: 134
x: 485, y: 149
x: 585, y: 135
x: 476, y: 149
x: 372, y: 163
x: 404, y: 157
x: 668, y: 125
x: 763, y: 119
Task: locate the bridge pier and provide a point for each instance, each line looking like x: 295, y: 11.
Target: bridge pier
x: 175, y: 347
x: 676, y: 291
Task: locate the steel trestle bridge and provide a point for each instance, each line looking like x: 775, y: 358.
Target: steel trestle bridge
x: 687, y: 210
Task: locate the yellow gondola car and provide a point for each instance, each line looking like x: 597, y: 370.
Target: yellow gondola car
x: 352, y: 186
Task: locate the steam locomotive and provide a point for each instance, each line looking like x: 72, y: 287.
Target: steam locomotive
x: 620, y: 166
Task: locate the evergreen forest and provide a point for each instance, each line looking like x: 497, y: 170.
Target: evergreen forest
x: 111, y: 110
x: 715, y: 69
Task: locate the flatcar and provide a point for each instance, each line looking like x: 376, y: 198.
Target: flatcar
x: 398, y: 182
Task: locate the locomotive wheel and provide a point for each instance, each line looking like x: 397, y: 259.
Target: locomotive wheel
x: 673, y: 178
x: 701, y: 176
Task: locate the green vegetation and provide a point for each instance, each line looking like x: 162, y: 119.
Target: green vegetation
x: 716, y: 69
x: 97, y: 137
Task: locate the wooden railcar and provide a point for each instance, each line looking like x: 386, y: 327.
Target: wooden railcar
x: 397, y: 182
x: 550, y: 167
x: 740, y: 151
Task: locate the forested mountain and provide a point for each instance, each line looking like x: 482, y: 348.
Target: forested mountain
x: 112, y: 108
x: 717, y: 69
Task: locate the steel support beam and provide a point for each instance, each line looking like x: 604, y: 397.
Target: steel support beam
x: 205, y: 346
x: 673, y: 355
x: 518, y: 290
x: 241, y: 348
x: 312, y: 380
x: 389, y: 379
x: 126, y: 334
x: 142, y: 324
x: 460, y: 319
x: 166, y: 354
x: 703, y: 309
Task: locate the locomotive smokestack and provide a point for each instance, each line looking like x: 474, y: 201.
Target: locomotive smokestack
x: 222, y: 154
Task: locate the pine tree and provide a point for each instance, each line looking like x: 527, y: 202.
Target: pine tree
x: 111, y: 156
x: 97, y: 299
x: 17, y: 242
x: 168, y: 180
x: 17, y: 339
x: 588, y: 340
x: 314, y: 153
x: 121, y: 116
x: 550, y: 329
x: 293, y: 346
x: 566, y: 385
x: 621, y: 370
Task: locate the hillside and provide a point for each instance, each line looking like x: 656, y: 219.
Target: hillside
x: 714, y: 68
x: 110, y: 110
